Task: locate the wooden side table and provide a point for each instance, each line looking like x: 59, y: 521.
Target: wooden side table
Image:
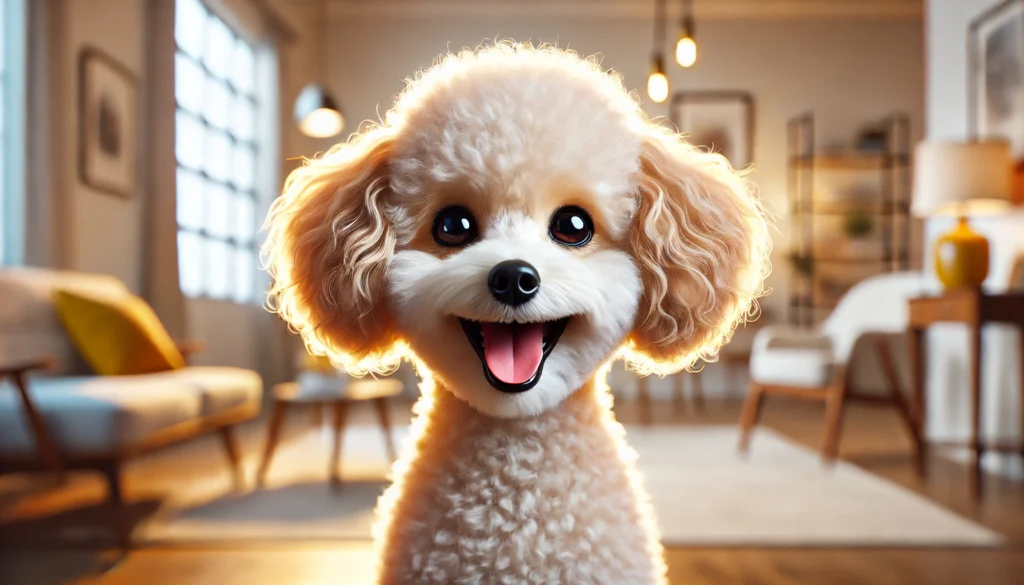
x: 368, y: 389
x: 974, y: 308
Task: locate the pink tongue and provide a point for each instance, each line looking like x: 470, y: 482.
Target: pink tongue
x: 512, y: 350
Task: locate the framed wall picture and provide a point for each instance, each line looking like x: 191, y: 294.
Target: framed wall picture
x: 107, y: 124
x: 995, y: 78
x: 722, y: 121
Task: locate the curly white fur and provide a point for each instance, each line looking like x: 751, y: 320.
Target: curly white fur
x: 538, y: 486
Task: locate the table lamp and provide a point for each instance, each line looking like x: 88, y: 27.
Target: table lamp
x: 962, y: 179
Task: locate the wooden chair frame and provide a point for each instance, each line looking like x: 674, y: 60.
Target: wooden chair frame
x: 110, y: 465
x: 835, y: 397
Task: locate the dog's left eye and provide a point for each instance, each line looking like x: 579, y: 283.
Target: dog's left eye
x: 454, y: 226
x: 571, y: 226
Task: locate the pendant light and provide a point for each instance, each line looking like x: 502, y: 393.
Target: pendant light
x: 316, y: 110
x: 686, y: 46
x: 657, y: 82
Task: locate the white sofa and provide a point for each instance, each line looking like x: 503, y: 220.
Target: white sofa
x: 95, y: 422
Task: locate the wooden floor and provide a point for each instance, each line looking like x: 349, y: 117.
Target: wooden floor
x: 872, y: 439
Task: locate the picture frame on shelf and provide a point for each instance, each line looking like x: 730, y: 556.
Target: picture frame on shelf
x: 995, y: 76
x: 722, y: 121
x: 108, y: 112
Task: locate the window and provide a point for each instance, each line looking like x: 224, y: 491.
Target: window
x: 3, y: 133
x: 12, y: 145
x: 216, y: 147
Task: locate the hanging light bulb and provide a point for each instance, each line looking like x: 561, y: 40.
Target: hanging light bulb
x: 686, y: 46
x: 686, y: 49
x: 657, y: 83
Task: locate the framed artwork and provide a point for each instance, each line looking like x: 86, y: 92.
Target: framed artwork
x: 107, y: 124
x: 995, y: 76
x: 722, y: 121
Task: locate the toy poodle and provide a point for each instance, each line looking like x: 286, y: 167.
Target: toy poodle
x: 513, y: 225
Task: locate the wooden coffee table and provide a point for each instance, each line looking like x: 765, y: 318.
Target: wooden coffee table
x: 376, y: 391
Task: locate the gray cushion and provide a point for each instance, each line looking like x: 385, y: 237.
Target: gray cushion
x: 96, y: 415
x: 221, y: 388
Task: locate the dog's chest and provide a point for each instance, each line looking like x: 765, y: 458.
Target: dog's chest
x: 522, y: 509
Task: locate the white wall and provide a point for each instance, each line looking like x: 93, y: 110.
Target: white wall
x: 104, y: 232
x: 848, y: 72
x: 947, y: 117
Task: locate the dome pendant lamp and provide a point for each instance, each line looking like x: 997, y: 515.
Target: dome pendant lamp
x: 316, y: 111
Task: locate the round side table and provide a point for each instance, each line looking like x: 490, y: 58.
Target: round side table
x: 339, y: 397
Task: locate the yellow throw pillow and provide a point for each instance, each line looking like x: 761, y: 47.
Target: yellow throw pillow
x: 117, y: 335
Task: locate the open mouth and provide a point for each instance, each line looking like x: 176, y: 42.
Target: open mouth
x: 513, y: 354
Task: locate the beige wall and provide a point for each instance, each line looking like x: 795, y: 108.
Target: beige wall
x: 104, y: 232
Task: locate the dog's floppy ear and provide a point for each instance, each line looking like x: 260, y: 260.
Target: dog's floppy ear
x: 700, y: 239
x: 328, y: 247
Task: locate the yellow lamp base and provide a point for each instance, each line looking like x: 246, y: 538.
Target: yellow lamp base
x: 961, y: 257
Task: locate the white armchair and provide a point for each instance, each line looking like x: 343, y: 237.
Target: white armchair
x: 853, y: 354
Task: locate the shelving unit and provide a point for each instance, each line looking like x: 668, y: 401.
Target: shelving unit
x: 824, y: 265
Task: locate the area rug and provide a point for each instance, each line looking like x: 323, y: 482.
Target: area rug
x: 704, y: 494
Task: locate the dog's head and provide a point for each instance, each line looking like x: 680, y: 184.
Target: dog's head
x: 514, y: 222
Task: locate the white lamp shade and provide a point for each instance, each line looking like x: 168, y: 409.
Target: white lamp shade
x: 962, y: 178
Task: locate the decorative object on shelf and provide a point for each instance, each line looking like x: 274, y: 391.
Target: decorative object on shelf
x: 996, y: 81
x: 657, y: 82
x: 686, y: 46
x: 850, y: 209
x: 858, y: 224
x: 722, y: 121
x: 802, y: 264
x: 316, y: 111
x: 872, y: 138
x: 107, y: 124
x: 962, y: 179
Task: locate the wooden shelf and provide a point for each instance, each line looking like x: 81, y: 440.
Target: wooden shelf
x: 850, y: 208
x: 850, y: 162
x: 849, y: 259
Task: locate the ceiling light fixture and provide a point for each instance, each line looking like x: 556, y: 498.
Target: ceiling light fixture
x: 657, y: 82
x: 686, y: 46
x: 316, y: 111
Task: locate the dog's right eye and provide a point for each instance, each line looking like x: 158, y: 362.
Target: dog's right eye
x: 454, y: 226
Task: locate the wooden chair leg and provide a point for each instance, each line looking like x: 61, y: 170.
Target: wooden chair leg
x: 835, y: 402
x: 896, y: 393
x: 340, y: 413
x: 273, y: 436
x: 751, y: 413
x: 678, y: 397
x: 119, y: 520
x: 385, y: 425
x: 697, y: 387
x: 230, y: 442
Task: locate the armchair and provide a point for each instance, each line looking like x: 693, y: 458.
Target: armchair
x: 852, y: 355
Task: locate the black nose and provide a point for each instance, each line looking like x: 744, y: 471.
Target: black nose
x: 514, y: 282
